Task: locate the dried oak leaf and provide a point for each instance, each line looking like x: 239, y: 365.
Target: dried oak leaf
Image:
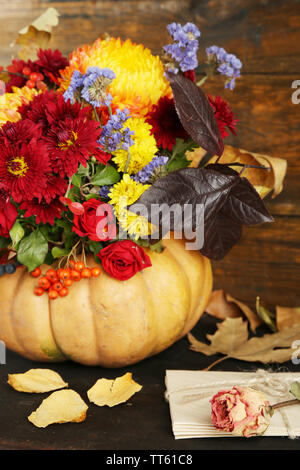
x: 231, y: 339
x: 63, y: 406
x: 113, y: 392
x: 223, y: 305
x: 36, y: 35
x: 36, y: 381
x: 263, y: 181
x: 286, y: 317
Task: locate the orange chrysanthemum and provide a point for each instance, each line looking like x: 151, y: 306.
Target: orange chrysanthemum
x: 140, y: 80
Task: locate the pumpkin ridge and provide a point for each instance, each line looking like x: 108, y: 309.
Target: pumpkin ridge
x: 52, y: 330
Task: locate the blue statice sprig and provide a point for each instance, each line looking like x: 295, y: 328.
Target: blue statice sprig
x: 144, y: 175
x: 183, y: 51
x: 114, y: 135
x: 91, y: 86
x: 226, y: 64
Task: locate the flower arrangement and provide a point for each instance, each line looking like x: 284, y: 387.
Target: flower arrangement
x: 84, y: 139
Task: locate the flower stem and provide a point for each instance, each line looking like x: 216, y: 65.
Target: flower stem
x: 127, y: 162
x: 216, y: 362
x: 285, y: 403
x: 202, y: 81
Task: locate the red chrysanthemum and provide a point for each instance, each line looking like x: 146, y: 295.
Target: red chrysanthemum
x: 191, y: 75
x: 24, y: 168
x: 166, y: 126
x: 71, y: 142
x: 49, y: 108
x: 51, y: 62
x: 56, y: 186
x: 42, y: 211
x: 8, y: 212
x: 223, y: 114
x: 22, y: 131
x: 101, y: 156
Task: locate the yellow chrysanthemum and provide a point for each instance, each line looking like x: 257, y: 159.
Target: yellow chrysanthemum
x: 9, y: 103
x: 123, y: 194
x: 140, y: 80
x: 141, y: 152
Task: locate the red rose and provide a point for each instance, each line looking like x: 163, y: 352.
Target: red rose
x: 123, y: 259
x: 97, y: 221
x: 8, y: 213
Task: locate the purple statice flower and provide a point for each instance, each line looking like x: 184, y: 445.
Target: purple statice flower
x: 145, y: 173
x: 114, y: 135
x: 228, y: 64
x: 184, y: 49
x: 95, y: 83
x: 104, y: 190
x: 74, y: 87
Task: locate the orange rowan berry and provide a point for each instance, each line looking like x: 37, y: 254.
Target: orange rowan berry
x: 75, y: 275
x: 86, y: 273
x: 44, y: 282
x: 36, y: 272
x: 63, y: 292
x: 39, y: 291
x: 79, y: 266
x: 53, y: 294
x: 51, y: 275
x: 96, y: 271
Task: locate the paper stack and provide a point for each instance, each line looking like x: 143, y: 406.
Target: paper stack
x: 189, y: 392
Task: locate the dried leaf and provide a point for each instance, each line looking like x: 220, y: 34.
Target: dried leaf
x: 113, y: 392
x: 286, y: 316
x: 44, y: 22
x: 195, y: 156
x: 231, y: 339
x: 223, y: 305
x: 63, y: 406
x: 36, y: 381
x: 295, y: 390
x: 36, y: 35
x: 195, y: 113
x: 266, y: 315
x: 263, y: 181
x: 31, y: 42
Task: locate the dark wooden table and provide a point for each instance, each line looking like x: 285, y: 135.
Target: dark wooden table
x: 265, y: 35
x: 143, y: 423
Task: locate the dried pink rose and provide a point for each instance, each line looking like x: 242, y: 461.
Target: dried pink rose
x: 242, y: 411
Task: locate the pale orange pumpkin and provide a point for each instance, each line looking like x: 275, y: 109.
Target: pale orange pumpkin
x: 104, y: 321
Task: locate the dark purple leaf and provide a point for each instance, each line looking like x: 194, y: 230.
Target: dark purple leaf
x: 194, y: 186
x: 220, y: 234
x: 196, y: 114
x: 244, y: 205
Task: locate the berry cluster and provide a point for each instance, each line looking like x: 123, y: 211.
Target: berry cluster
x: 57, y: 281
x: 35, y: 79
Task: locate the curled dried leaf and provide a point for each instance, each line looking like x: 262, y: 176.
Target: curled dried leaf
x: 36, y: 35
x: 63, y: 406
x: 286, y: 316
x: 113, y: 392
x: 263, y: 181
x: 223, y: 305
x: 36, y: 381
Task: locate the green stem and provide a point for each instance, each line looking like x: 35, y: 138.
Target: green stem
x: 202, y: 81
x: 127, y: 162
x: 285, y: 403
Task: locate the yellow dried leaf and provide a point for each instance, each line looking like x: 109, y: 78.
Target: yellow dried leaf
x: 231, y: 339
x: 63, y: 406
x: 113, y: 392
x: 263, y: 181
x: 195, y: 156
x: 286, y: 316
x: 223, y: 305
x: 36, y: 35
x: 31, y: 42
x: 36, y: 381
x: 44, y: 22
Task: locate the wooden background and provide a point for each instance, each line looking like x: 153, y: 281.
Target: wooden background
x: 265, y: 35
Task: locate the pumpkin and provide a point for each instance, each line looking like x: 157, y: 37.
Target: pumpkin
x: 104, y: 321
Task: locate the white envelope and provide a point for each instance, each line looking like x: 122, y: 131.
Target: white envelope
x: 189, y: 392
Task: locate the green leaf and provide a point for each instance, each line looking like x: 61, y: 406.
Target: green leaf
x: 92, y: 196
x: 295, y: 390
x: 59, y: 252
x: 76, y: 180
x: 84, y: 171
x: 178, y: 159
x: 268, y: 317
x: 16, y: 233
x: 105, y: 176
x: 33, y: 250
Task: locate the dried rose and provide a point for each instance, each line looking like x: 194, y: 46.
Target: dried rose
x: 242, y: 411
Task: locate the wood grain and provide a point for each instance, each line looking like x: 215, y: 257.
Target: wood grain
x: 265, y: 35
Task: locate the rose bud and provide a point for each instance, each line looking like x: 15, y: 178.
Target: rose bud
x: 242, y: 411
